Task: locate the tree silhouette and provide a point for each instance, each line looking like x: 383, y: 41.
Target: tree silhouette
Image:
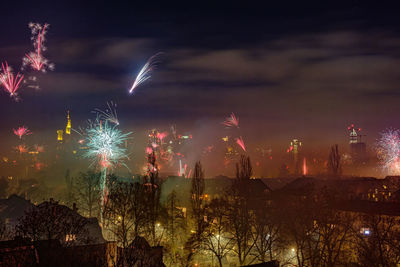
x: 334, y: 161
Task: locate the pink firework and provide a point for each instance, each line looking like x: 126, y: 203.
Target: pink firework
x: 21, y: 131
x: 149, y: 150
x: 35, y: 59
x: 231, y: 121
x: 10, y: 82
x: 240, y: 142
x: 161, y: 136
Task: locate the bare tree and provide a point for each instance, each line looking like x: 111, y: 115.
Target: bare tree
x: 266, y: 232
x: 334, y: 161
x: 319, y: 233
x: 239, y: 213
x: 197, y: 197
x: 175, y: 227
x: 334, y: 227
x: 300, y: 231
x: 153, y: 193
x: 244, y: 170
x: 380, y: 245
x: 198, y: 211
x: 124, y: 211
x: 69, y: 182
x: 49, y: 220
x: 87, y: 192
x: 216, y: 238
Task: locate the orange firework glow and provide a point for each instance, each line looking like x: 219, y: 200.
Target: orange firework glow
x: 305, y: 170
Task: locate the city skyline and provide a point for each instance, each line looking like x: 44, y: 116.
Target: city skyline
x: 306, y: 77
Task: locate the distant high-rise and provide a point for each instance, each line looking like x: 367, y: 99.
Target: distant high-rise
x: 353, y: 134
x: 294, y: 149
x: 358, y: 149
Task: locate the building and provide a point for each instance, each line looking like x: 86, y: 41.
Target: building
x: 68, y: 127
x: 63, y: 136
x: 358, y: 149
x: 294, y: 150
x: 11, y: 209
x: 79, y: 228
x: 24, y: 252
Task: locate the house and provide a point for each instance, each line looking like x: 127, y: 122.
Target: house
x: 11, y: 209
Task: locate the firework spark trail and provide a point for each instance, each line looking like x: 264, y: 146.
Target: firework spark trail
x: 183, y: 170
x: 231, y: 121
x: 21, y: 131
x: 10, y: 82
x: 109, y: 114
x: 105, y: 148
x: 145, y: 72
x: 35, y: 59
x: 240, y: 142
x: 388, y: 150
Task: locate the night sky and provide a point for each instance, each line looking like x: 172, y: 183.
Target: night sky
x: 287, y: 71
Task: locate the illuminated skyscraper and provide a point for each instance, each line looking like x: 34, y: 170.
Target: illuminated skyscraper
x: 294, y: 149
x: 358, y: 149
x: 353, y: 134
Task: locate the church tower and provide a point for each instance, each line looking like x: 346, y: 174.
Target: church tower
x: 68, y: 128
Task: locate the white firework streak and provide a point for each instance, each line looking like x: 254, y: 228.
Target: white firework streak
x: 145, y: 72
x: 109, y: 114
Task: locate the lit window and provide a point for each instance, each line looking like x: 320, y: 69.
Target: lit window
x: 70, y: 237
x: 365, y: 231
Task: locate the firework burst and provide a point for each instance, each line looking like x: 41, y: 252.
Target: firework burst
x: 35, y: 59
x: 240, y: 142
x: 10, y: 82
x: 105, y: 144
x: 231, y: 121
x: 388, y: 150
x: 105, y: 148
x: 145, y: 72
x: 109, y: 114
x: 22, y: 131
